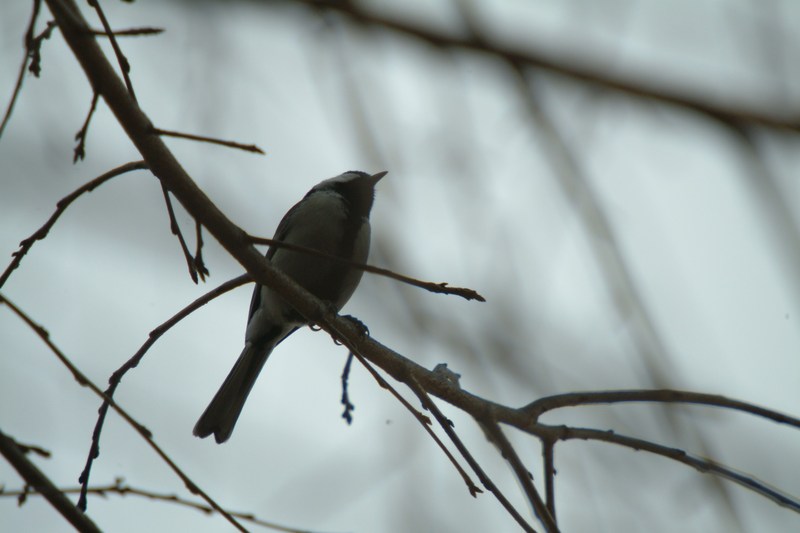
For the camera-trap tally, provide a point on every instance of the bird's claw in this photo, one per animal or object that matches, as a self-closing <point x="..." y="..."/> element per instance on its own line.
<point x="362" y="328"/>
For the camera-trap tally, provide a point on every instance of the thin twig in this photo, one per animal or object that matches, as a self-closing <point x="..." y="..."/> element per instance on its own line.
<point x="589" y="70"/>
<point x="400" y="368"/>
<point x="447" y="426"/>
<point x="38" y="480"/>
<point x="80" y="152"/>
<point x="32" y="448"/>
<point x="61" y="206"/>
<point x="347" y="414"/>
<point x="194" y="271"/>
<point x="230" y="144"/>
<point x="421" y="418"/>
<point x="35" y="50"/>
<point x="548" y="457"/>
<point x="140" y="429"/>
<point x="495" y="432"/>
<point x="37" y="4"/>
<point x="700" y="464"/>
<point x="426" y="422"/>
<point x="542" y="405"/>
<point x="129" y="32"/>
<point x="121" y="489"/>
<point x="233" y="239"/>
<point x="440" y="288"/>
<point x="197" y="260"/>
<point x="124" y="65"/>
<point x="133" y="362"/>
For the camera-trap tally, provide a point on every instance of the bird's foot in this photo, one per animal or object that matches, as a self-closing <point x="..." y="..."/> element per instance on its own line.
<point x="362" y="328"/>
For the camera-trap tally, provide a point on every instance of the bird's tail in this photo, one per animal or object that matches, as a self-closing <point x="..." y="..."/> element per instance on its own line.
<point x="222" y="413"/>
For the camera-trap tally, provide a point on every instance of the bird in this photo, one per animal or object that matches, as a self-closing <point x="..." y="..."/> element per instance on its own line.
<point x="332" y="218"/>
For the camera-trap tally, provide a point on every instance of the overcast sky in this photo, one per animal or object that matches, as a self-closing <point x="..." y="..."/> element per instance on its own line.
<point x="680" y="270"/>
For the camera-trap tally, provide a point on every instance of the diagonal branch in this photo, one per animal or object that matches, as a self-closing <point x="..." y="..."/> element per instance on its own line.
<point x="133" y="362"/>
<point x="80" y="149"/>
<point x="421" y="418"/>
<point x="31" y="52"/>
<point x="548" y="453"/>
<point x="439" y="288"/>
<point x="487" y="482"/>
<point x="61" y="206"/>
<point x="495" y="433"/>
<point x="124" y="65"/>
<point x="212" y="140"/>
<point x="164" y="165"/>
<point x="705" y="466"/>
<point x="36" y="479"/>
<point x="195" y="264"/>
<point x="542" y="405"/>
<point x="120" y="488"/>
<point x="145" y="433"/>
<point x="590" y="70"/>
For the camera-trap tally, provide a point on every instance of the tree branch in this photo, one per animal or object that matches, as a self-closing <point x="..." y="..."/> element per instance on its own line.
<point x="120" y="488"/>
<point x="430" y="286"/>
<point x="36" y="478"/>
<point x="145" y="433"/>
<point x="591" y="70"/>
<point x="163" y="164"/>
<point x="133" y="362"/>
<point x="61" y="206"/>
<point x="542" y="405"/>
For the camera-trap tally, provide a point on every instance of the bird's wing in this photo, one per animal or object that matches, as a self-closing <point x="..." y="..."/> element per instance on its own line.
<point x="280" y="235"/>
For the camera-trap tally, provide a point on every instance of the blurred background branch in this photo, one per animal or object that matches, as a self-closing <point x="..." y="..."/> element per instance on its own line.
<point x="618" y="178"/>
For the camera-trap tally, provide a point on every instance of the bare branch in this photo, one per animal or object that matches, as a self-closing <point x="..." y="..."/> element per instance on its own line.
<point x="230" y="144"/>
<point x="495" y="433"/>
<point x="440" y="288"/>
<point x="542" y="405"/>
<point x="80" y="152"/>
<point x="237" y="243"/>
<point x="36" y="479"/>
<point x="345" y="400"/>
<point x="31" y="51"/>
<point x="130" y="32"/>
<point x="120" y="488"/>
<point x="487" y="482"/>
<point x="705" y="466"/>
<point x="196" y="268"/>
<point x="548" y="452"/>
<point x="133" y="362"/>
<point x="32" y="448"/>
<point x="424" y="421"/>
<point x="143" y="431"/>
<point x="197" y="260"/>
<point x="61" y="206"/>
<point x="124" y="65"/>
<point x="589" y="71"/>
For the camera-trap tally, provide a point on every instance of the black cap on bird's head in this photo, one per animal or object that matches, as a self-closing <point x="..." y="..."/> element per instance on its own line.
<point x="355" y="187"/>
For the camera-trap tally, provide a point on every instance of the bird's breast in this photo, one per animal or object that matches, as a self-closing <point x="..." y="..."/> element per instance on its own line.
<point x="323" y="223"/>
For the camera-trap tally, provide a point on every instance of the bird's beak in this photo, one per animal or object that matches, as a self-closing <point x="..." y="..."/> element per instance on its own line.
<point x="375" y="178"/>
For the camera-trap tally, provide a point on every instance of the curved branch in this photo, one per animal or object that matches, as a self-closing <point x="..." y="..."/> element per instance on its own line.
<point x="120" y="488"/>
<point x="439" y="288"/>
<point x="542" y="405"/>
<point x="133" y="362"/>
<point x="163" y="164"/>
<point x="700" y="464"/>
<point x="61" y="206"/>
<point x="81" y="378"/>
<point x="35" y="478"/>
<point x="591" y="70"/>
